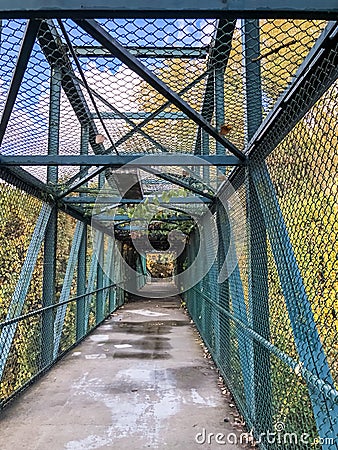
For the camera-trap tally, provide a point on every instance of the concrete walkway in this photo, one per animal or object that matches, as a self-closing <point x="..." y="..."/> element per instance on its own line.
<point x="139" y="381"/>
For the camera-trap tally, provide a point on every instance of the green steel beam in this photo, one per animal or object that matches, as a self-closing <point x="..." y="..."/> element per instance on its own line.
<point x="217" y="62"/>
<point x="107" y="280"/>
<point x="67" y="284"/>
<point x="81" y="285"/>
<point x="126" y="201"/>
<point x="92" y="51"/>
<point x="237" y="297"/>
<point x="318" y="72"/>
<point x="92" y="276"/>
<point x="22" y="286"/>
<point x="224" y="297"/>
<point x="119" y="160"/>
<point x="170" y="8"/>
<point x="104" y="38"/>
<point x="56" y="54"/>
<point x="312" y="358"/>
<point x="258" y="289"/>
<point x="54" y="121"/>
<point x="219" y="103"/>
<point x="135" y="115"/>
<point x="49" y="259"/>
<point x="99" y="316"/>
<point x="48" y="289"/>
<point x="27" y="44"/>
<point x="82" y="256"/>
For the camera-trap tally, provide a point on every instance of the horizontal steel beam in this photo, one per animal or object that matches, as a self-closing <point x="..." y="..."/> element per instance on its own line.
<point x="120" y="160"/>
<point x="127" y="201"/>
<point x="137" y="115"/>
<point x="169" y="8"/>
<point x="92" y="51"/>
<point x="119" y="218"/>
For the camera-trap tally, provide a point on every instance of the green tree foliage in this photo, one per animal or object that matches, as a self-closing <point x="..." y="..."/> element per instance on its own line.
<point x="18" y="215"/>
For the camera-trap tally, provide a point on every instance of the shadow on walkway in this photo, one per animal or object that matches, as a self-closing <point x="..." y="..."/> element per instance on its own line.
<point x="138" y="381"/>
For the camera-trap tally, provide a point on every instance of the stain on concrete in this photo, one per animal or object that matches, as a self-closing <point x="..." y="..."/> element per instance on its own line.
<point x="138" y="381"/>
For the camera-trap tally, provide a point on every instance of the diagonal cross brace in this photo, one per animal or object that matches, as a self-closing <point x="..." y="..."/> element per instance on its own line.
<point x="56" y="55"/>
<point x="236" y="291"/>
<point x="218" y="60"/>
<point x="21" y="65"/>
<point x="22" y="286"/>
<point x="311" y="353"/>
<point x="67" y="283"/>
<point x="92" y="277"/>
<point x="105" y="39"/>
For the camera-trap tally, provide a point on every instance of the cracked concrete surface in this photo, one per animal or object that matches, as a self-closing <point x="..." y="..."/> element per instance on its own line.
<point x="138" y="381"/>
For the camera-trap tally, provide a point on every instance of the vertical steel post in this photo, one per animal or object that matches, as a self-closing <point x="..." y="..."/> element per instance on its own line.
<point x="312" y="356"/>
<point x="111" y="274"/>
<point x="236" y="294"/>
<point x="92" y="276"/>
<point x="99" y="281"/>
<point x="252" y="69"/>
<point x="219" y="103"/>
<point x="54" y="121"/>
<point x="22" y="286"/>
<point x="223" y="288"/>
<point x="205" y="151"/>
<point x="49" y="261"/>
<point x="223" y="300"/>
<point x="48" y="289"/>
<point x="81" y="326"/>
<point x="259" y="317"/>
<point x="100" y="295"/>
<point x="81" y="286"/>
<point x="66" y="287"/>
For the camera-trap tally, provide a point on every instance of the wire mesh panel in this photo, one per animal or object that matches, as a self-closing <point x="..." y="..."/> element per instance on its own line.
<point x="260" y="95"/>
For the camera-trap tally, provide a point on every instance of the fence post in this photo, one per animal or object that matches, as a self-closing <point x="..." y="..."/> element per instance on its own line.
<point x="67" y="283"/>
<point x="259" y="316"/>
<point x="92" y="278"/>
<point x="236" y="294"/>
<point x="50" y="243"/>
<point x="81" y="327"/>
<point x="99" y="281"/>
<point x="81" y="285"/>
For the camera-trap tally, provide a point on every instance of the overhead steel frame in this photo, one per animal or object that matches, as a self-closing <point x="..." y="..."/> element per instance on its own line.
<point x="290" y="108"/>
<point x="171" y="9"/>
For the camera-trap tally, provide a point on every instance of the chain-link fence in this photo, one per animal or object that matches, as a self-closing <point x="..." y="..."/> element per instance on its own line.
<point x="271" y="326"/>
<point x="264" y="90"/>
<point x="33" y="333"/>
